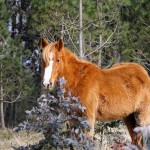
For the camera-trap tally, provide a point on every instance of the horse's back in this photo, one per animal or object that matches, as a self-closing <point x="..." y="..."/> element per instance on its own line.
<point x="132" y="70"/>
<point x="122" y="89"/>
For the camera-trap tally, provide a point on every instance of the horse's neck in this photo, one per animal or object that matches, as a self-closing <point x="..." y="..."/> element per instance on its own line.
<point x="71" y="70"/>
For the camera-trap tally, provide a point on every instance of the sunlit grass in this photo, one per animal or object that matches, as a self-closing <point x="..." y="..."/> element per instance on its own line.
<point x="103" y="140"/>
<point x="9" y="139"/>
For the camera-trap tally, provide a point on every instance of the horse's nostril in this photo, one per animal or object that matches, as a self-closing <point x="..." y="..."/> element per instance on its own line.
<point x="50" y="83"/>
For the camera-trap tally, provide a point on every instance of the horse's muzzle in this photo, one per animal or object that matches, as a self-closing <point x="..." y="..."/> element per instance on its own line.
<point x="47" y="86"/>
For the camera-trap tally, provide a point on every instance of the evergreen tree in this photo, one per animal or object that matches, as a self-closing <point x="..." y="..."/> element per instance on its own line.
<point x="105" y="36"/>
<point x="113" y="31"/>
<point x="136" y="15"/>
<point x="3" y="36"/>
<point x="17" y="82"/>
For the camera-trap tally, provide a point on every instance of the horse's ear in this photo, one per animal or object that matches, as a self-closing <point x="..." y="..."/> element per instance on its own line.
<point x="60" y="44"/>
<point x="44" y="42"/>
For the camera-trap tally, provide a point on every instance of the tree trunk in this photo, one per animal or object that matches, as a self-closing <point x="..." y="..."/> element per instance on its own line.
<point x="62" y="25"/>
<point x="1" y="99"/>
<point x="80" y="30"/>
<point x="62" y="28"/>
<point x="2" y="115"/>
<point x="100" y="51"/>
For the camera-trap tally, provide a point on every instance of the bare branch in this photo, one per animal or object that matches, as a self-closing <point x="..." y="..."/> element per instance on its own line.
<point x="71" y="40"/>
<point x="13" y="100"/>
<point x="2" y="56"/>
<point x="2" y="39"/>
<point x="102" y="44"/>
<point x="144" y="22"/>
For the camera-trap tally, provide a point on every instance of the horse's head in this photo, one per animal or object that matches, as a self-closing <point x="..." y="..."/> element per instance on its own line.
<point x="52" y="62"/>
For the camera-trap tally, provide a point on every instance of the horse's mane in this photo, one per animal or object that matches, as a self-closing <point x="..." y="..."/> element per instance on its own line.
<point x="74" y="57"/>
<point x="46" y="51"/>
<point x="70" y="54"/>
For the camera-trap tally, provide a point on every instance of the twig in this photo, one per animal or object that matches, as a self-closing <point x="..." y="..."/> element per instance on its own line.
<point x="102" y="44"/>
<point x="14" y="100"/>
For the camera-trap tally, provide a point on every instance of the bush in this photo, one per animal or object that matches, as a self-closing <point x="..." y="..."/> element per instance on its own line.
<point x="53" y="116"/>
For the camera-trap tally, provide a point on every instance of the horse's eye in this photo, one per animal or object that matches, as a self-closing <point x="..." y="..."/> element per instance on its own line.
<point x="58" y="60"/>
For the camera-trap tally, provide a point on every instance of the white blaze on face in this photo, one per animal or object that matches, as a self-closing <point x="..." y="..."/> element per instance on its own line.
<point x="48" y="71"/>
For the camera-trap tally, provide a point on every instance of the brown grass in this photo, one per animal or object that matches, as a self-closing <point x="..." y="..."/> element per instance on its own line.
<point x="111" y="138"/>
<point x="8" y="139"/>
<point x="104" y="139"/>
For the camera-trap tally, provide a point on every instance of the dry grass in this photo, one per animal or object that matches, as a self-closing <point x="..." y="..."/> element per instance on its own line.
<point x="112" y="138"/>
<point x="104" y="140"/>
<point x="8" y="139"/>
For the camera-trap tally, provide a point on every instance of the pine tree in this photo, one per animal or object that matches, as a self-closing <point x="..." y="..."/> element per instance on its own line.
<point x="136" y="14"/>
<point x="17" y="82"/>
<point x="3" y="36"/>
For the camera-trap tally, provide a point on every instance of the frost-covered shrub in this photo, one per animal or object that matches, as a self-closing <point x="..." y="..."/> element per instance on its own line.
<point x="53" y="116"/>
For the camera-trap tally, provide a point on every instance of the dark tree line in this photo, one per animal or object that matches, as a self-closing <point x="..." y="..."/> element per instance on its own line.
<point x="113" y="31"/>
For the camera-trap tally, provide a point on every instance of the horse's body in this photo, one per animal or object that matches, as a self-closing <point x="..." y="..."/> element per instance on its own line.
<point x="122" y="92"/>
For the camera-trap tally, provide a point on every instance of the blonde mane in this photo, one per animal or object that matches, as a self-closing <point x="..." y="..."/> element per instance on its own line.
<point x="46" y="51"/>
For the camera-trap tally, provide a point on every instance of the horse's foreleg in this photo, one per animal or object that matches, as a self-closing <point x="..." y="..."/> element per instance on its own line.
<point x="143" y="114"/>
<point x="91" y="104"/>
<point x="131" y="124"/>
<point x="143" y="120"/>
<point x="91" y="123"/>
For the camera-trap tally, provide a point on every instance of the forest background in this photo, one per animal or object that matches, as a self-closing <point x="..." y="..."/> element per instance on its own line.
<point x="112" y="31"/>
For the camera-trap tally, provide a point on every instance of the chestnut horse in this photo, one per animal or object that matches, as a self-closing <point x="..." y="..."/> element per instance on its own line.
<point x="122" y="92"/>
